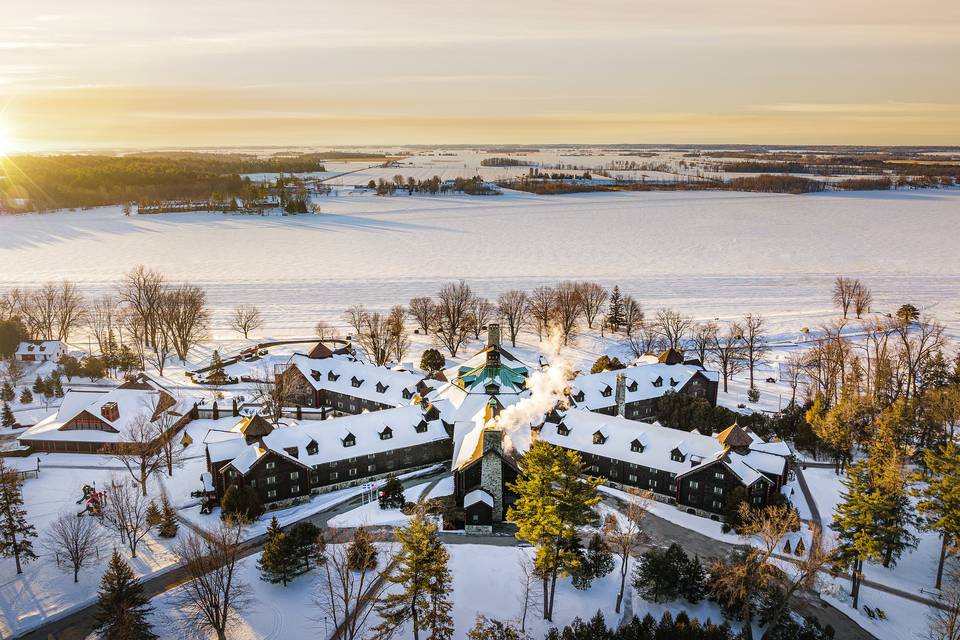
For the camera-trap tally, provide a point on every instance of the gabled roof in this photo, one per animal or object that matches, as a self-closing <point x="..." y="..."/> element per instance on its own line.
<point x="734" y="437"/>
<point x="345" y="369"/>
<point x="255" y="426"/>
<point x="595" y="390"/>
<point x="477" y="495"/>
<point x="40" y="347"/>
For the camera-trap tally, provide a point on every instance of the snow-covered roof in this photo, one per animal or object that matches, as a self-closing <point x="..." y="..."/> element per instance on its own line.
<point x="477" y="495"/>
<point x="775" y="447"/>
<point x="643" y="381"/>
<point x="44" y="347"/>
<point x="337" y="373"/>
<point x="127" y="406"/>
<point x="658" y="442"/>
<point x="368" y="431"/>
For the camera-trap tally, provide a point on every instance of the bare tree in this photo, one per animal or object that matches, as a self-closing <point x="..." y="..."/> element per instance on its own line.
<point x="843" y="289"/>
<point x="139" y="452"/>
<point x="399" y="336"/>
<point x="917" y="346"/>
<point x="529" y="583"/>
<point x="184" y="317"/>
<point x="862" y="298"/>
<point x="754" y="341"/>
<point x="568" y="305"/>
<point x="284" y="387"/>
<point x="346" y="591"/>
<point x="727" y="350"/>
<point x="673" y="326"/>
<point x="512" y="306"/>
<point x="163" y="425"/>
<point x="375" y="337"/>
<point x="622" y="533"/>
<point x="633" y="316"/>
<point x="701" y="335"/>
<point x="592" y="299"/>
<point x="213" y="590"/>
<point x="354" y="318"/>
<point x="40" y="310"/>
<point x="159" y="350"/>
<point x="102" y="320"/>
<point x="77" y="540"/>
<point x="794" y="367"/>
<point x="130" y="323"/>
<point x="453" y="307"/>
<point x="323" y="330"/>
<point x="481" y="313"/>
<point x="125" y="511"/>
<point x="423" y="311"/>
<point x="142" y="290"/>
<point x="540" y="309"/>
<point x="945" y="620"/>
<point x="644" y="339"/>
<point x="71" y="309"/>
<point x="246" y="318"/>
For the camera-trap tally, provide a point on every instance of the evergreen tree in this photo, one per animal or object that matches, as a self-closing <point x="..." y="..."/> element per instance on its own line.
<point x="615" y="309"/>
<point x="26" y="397"/>
<point x="15" y="531"/>
<point x="7" y="419"/>
<point x="553" y="500"/>
<point x="432" y="361"/>
<point x="217" y="375"/>
<point x="39" y="386"/>
<point x="153" y="514"/>
<point x="595" y="563"/>
<point x="424" y="583"/>
<point x="122" y="607"/>
<point x="361" y="554"/>
<point x="940" y="499"/>
<point x="308" y="544"/>
<point x="391" y="494"/>
<point x="168" y="518"/>
<point x="277" y="562"/>
<point x="7" y="392"/>
<point x="241" y="504"/>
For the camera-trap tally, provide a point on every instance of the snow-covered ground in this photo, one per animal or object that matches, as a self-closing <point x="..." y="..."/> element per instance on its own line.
<point x="370" y="514"/>
<point x="708" y="254"/>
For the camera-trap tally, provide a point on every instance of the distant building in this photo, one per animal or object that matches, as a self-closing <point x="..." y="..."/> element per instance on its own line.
<point x="40" y="350"/>
<point x="103" y="420"/>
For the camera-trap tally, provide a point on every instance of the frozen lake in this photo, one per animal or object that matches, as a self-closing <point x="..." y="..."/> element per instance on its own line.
<point x="709" y="254"/>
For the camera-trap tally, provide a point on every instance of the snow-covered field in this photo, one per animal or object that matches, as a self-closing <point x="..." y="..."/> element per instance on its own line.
<point x="709" y="254"/>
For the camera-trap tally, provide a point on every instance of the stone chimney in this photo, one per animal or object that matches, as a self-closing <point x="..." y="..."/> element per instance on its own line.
<point x="491" y="470"/>
<point x="621" y="395"/>
<point x="493" y="334"/>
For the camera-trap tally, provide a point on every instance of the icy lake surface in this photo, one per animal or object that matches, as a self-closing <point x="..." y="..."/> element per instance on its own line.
<point x="708" y="254"/>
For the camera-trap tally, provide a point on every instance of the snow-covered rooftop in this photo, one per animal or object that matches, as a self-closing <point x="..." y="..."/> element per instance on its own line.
<point x="643" y="381"/>
<point x="347" y="375"/>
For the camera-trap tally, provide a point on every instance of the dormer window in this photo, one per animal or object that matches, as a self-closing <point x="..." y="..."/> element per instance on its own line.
<point x="356" y="382"/>
<point x="406" y="394"/>
<point x="312" y="448"/>
<point x="382" y="387"/>
<point x="386" y="434"/>
<point x="658" y="382"/>
<point x="673" y="382"/>
<point x="636" y="446"/>
<point x="349" y="440"/>
<point x="291" y="451"/>
<point x="677" y="456"/>
<point x="332" y="377"/>
<point x="633" y="386"/>
<point x="562" y="430"/>
<point x="421" y="427"/>
<point x="606" y="391"/>
<point x="315" y="375"/>
<point x="579" y="396"/>
<point x="599" y="438"/>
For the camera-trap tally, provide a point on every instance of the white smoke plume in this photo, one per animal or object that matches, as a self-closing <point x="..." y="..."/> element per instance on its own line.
<point x="547" y="387"/>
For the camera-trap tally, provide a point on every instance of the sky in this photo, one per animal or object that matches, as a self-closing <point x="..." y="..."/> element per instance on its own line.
<point x="86" y="74"/>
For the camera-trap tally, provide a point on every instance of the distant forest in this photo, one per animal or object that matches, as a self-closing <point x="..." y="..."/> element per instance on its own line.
<point x="73" y="181"/>
<point x="504" y="162"/>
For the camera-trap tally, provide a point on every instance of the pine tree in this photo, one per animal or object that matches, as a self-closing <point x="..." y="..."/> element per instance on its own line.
<point x="423" y="581"/>
<point x="153" y="514"/>
<point x="122" y="607"/>
<point x="168" y="518"/>
<point x="39" y="386"/>
<point x="615" y="309"/>
<point x="26" y="397"/>
<point x="7" y="420"/>
<point x="15" y="531"/>
<point x="361" y="554"/>
<point x="278" y="561"/>
<point x="553" y="500"/>
<point x="940" y="498"/>
<point x="307" y="544"/>
<point x="7" y="392"/>
<point x="391" y="494"/>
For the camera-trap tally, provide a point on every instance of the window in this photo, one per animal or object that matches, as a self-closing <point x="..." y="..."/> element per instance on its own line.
<point x="294" y="475"/>
<point x="352" y="460"/>
<point x="356" y="382"/>
<point x="253" y="482"/>
<point x="658" y="382"/>
<point x="271" y="494"/>
<point x="333" y="476"/>
<point x="717" y="504"/>
<point x="718" y="491"/>
<point x="636" y="446"/>
<point x="271" y="479"/>
<point x="475" y="518"/>
<point x="606" y="392"/>
<point x="693" y="484"/>
<point x="312" y="448"/>
<point x="406" y="394"/>
<point x="653" y="484"/>
<point x="295" y="489"/>
<point x="386" y="434"/>
<point x="421" y="427"/>
<point x="332" y="377"/>
<point x="677" y="456"/>
<point x="371" y="468"/>
<point x="349" y="441"/>
<point x="613" y="473"/>
<point x="594" y="469"/>
<point x="632" y="478"/>
<point x="757" y="499"/>
<point x="271" y="465"/>
<point x="599" y="438"/>
<point x="718" y="475"/>
<point x="562" y="430"/>
<point x="353" y="472"/>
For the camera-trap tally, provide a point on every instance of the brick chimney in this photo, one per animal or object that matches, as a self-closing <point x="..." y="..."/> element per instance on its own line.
<point x="621" y="395"/>
<point x="110" y="411"/>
